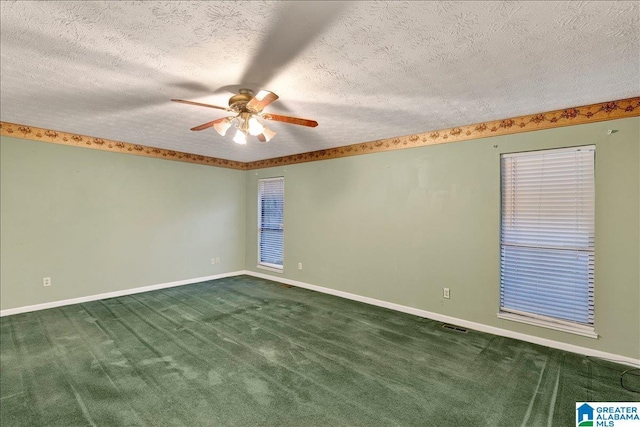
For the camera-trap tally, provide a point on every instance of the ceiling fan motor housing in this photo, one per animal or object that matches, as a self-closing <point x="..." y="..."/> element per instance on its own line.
<point x="238" y="102"/>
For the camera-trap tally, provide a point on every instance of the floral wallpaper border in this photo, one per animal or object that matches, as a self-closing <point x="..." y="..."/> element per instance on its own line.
<point x="610" y="110"/>
<point x="604" y="111"/>
<point x="64" y="138"/>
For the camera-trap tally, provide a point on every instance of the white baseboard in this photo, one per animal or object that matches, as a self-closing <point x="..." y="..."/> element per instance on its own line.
<point x="455" y="321"/>
<point x="114" y="294"/>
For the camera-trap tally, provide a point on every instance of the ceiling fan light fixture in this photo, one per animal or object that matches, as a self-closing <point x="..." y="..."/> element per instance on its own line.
<point x="255" y="127"/>
<point x="223" y="126"/>
<point x="240" y="137"/>
<point x="243" y="122"/>
<point x="268" y="134"/>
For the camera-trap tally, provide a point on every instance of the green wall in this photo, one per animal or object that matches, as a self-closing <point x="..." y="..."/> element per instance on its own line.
<point x="399" y="226"/>
<point x="396" y="226"/>
<point x="98" y="222"/>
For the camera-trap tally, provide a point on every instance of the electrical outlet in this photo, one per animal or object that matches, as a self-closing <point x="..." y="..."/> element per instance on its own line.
<point x="46" y="281"/>
<point x="445" y="293"/>
<point x="217" y="260"/>
<point x="213" y="260"/>
<point x="299" y="266"/>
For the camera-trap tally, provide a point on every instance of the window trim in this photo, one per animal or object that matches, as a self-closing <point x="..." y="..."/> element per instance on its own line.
<point x="266" y="265"/>
<point x="270" y="267"/>
<point x="532" y="318"/>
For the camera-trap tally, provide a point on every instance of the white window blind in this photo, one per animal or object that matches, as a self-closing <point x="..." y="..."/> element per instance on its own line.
<point x="271" y="222"/>
<point x="547" y="235"/>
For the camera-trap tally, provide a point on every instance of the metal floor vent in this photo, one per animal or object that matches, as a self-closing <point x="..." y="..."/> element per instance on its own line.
<point x="454" y="328"/>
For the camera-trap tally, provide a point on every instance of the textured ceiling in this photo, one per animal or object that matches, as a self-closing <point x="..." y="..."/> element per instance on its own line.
<point x="363" y="70"/>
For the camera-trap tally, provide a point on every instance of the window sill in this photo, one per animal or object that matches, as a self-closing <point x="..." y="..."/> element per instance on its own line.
<point x="270" y="268"/>
<point x="577" y="330"/>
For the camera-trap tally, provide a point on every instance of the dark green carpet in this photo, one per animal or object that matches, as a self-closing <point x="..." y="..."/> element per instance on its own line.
<point x="249" y="352"/>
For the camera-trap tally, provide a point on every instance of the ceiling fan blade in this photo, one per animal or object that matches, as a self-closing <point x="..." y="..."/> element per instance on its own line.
<point x="291" y="120"/>
<point x="261" y="100"/>
<point x="296" y="26"/>
<point x="209" y="124"/>
<point x="192" y="86"/>
<point x="199" y="104"/>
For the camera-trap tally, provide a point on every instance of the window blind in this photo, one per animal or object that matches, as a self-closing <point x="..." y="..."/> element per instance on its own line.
<point x="547" y="235"/>
<point x="271" y="222"/>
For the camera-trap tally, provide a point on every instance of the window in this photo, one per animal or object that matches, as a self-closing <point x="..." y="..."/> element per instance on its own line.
<point x="547" y="238"/>
<point x="271" y="223"/>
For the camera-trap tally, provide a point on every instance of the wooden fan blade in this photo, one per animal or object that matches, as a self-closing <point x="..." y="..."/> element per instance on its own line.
<point x="291" y="120"/>
<point x="261" y="100"/>
<point x="209" y="124"/>
<point x="199" y="104"/>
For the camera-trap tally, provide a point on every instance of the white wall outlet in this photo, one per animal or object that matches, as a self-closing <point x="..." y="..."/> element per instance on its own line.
<point x="217" y="260"/>
<point x="445" y="293"/>
<point x="213" y="260"/>
<point x="299" y="266"/>
<point x="46" y="281"/>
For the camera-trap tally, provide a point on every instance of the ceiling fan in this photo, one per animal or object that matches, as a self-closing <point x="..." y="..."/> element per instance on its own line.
<point x="248" y="109"/>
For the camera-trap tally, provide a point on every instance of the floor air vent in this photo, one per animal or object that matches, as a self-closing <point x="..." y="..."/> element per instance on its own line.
<point x="454" y="328"/>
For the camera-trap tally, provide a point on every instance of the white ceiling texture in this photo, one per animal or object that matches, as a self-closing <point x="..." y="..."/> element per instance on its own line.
<point x="363" y="70"/>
